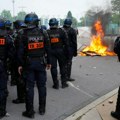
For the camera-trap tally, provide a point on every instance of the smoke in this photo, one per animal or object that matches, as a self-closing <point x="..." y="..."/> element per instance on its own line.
<point x="104" y="17"/>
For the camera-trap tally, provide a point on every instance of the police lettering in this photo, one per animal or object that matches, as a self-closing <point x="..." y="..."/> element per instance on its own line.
<point x="54" y="40"/>
<point x="2" y="41"/>
<point x="54" y="35"/>
<point x="35" y="45"/>
<point x="35" y="38"/>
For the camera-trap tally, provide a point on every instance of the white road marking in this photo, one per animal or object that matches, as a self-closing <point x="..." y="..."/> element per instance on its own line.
<point x="72" y="85"/>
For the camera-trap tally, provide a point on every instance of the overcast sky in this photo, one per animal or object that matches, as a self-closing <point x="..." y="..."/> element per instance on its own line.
<point x="52" y="8"/>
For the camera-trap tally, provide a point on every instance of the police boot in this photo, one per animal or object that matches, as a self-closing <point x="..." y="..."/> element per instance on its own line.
<point x="64" y="85"/>
<point x="20" y="92"/>
<point x="116" y="113"/>
<point x="29" y="114"/>
<point x="3" y="105"/>
<point x="55" y="84"/>
<point x="3" y="108"/>
<point x="2" y="111"/>
<point x="42" y="106"/>
<point x="29" y="111"/>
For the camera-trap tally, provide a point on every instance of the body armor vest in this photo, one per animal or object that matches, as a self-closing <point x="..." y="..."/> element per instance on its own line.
<point x="68" y="31"/>
<point x="55" y="38"/>
<point x="35" y="43"/>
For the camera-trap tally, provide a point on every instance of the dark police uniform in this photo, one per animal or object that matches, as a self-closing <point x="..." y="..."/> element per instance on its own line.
<point x="18" y="25"/>
<point x="6" y="51"/>
<point x="72" y="37"/>
<point x="59" y="45"/>
<point x="10" y="64"/>
<point x="33" y="46"/>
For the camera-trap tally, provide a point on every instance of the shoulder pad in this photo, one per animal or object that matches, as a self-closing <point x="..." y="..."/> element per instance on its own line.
<point x="62" y="29"/>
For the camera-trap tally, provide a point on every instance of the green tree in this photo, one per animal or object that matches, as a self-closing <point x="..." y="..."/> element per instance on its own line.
<point x="115" y="6"/>
<point x="115" y="18"/>
<point x="82" y="21"/>
<point x="94" y="14"/>
<point x="74" y="20"/>
<point x="116" y="10"/>
<point x="6" y="14"/>
<point x="21" y="15"/>
<point x="61" y="22"/>
<point x="69" y="15"/>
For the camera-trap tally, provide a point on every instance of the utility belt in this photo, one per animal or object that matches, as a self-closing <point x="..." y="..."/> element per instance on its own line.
<point x="35" y="58"/>
<point x="42" y="59"/>
<point x="57" y="47"/>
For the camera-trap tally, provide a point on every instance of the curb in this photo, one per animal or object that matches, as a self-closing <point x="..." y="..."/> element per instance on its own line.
<point x="82" y="111"/>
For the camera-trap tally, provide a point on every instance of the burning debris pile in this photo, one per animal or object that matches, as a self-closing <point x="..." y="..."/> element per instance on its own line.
<point x="97" y="48"/>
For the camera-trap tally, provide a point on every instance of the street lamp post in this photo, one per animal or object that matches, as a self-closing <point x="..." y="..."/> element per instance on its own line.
<point x="13" y="8"/>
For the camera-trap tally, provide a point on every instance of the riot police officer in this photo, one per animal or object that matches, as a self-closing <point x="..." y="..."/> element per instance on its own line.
<point x="116" y="113"/>
<point x="8" y="25"/>
<point x="18" y="26"/>
<point x="59" y="44"/>
<point x="33" y="46"/>
<point x="72" y="37"/>
<point x="6" y="51"/>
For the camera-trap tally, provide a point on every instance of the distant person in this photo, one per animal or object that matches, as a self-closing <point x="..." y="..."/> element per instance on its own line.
<point x="72" y="37"/>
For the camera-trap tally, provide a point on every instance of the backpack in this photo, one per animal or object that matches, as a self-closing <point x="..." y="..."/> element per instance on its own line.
<point x="117" y="45"/>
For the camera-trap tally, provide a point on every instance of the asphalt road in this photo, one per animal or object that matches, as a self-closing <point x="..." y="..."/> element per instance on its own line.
<point x="95" y="76"/>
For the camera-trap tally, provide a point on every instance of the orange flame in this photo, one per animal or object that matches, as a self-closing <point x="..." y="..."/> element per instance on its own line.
<point x="96" y="44"/>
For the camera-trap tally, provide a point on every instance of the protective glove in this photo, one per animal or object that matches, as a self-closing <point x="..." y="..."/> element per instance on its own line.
<point x="75" y="54"/>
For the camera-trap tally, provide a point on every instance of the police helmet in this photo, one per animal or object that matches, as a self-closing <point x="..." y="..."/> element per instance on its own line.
<point x="31" y="19"/>
<point x="2" y="23"/>
<point x="8" y="23"/>
<point x="19" y="24"/>
<point x="43" y="27"/>
<point x="53" y="22"/>
<point x="68" y="22"/>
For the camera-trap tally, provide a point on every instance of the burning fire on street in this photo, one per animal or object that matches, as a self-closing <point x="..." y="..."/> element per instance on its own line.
<point x="97" y="48"/>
